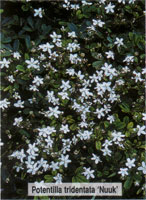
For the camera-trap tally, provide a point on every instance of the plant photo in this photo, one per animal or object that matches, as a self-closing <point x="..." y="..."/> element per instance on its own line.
<point x="72" y="95"/>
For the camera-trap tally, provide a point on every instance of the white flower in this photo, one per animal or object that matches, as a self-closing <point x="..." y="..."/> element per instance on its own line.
<point x="32" y="169"/>
<point x="117" y="136"/>
<point x="129" y="59"/>
<point x="106" y="151"/>
<point x="17" y="121"/>
<point x="11" y="78"/>
<point x="38" y="12"/>
<point x="88" y="173"/>
<point x="70" y="71"/>
<point x="109" y="8"/>
<point x="18" y="168"/>
<point x="119" y="42"/>
<point x="33" y="64"/>
<point x="121" y="1"/>
<point x="33" y="88"/>
<point x="54" y="112"/>
<point x="84" y="135"/>
<point x="123" y="171"/>
<point x="137" y="76"/>
<point x="65" y="85"/>
<point x="102" y="1"/>
<point x="140" y="130"/>
<point x="84" y="3"/>
<point x="19" y="104"/>
<point x="107" y="143"/>
<point x="142" y="168"/>
<point x="16" y="55"/>
<point x="83" y="124"/>
<point x="64" y="128"/>
<point x="49" y="142"/>
<point x="4" y="63"/>
<point x="64" y="160"/>
<point x="72" y="34"/>
<point x="1" y="143"/>
<point x="111" y="118"/>
<point x="136" y="183"/>
<point x="98" y="22"/>
<point x="144" y="71"/>
<point x="130" y="163"/>
<point x="144" y="116"/>
<point x="32" y="149"/>
<point x="64" y="95"/>
<point x="41" y="162"/>
<point x="58" y="178"/>
<point x="16" y="95"/>
<point x="96" y="158"/>
<point x="19" y="155"/>
<point x="110" y="54"/>
<point x="55" y="37"/>
<point x="91" y="28"/>
<point x="131" y="1"/>
<point x="74" y="6"/>
<point x="45" y="132"/>
<point x="46" y="47"/>
<point x="74" y="58"/>
<point x="4" y="103"/>
<point x="74" y="140"/>
<point x="38" y="81"/>
<point x="100" y="113"/>
<point x="85" y="93"/>
<point x="73" y="47"/>
<point x="120" y="82"/>
<point x="80" y="75"/>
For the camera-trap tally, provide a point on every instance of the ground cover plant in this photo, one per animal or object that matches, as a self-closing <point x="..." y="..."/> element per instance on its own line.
<point x="72" y="85"/>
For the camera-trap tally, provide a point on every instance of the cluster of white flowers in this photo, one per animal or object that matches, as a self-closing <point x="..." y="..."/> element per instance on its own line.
<point x="91" y="94"/>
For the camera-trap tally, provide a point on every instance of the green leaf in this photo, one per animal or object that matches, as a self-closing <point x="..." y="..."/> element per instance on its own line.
<point x="79" y="14"/>
<point x="16" y="45"/>
<point x="26" y="111"/>
<point x="98" y="145"/>
<point x="106" y="124"/>
<point x="26" y="55"/>
<point x="79" y="170"/>
<point x="73" y="27"/>
<point x="73" y="127"/>
<point x="130" y="35"/>
<point x="120" y="125"/>
<point x="99" y="174"/>
<point x="7" y="88"/>
<point x="79" y="179"/>
<point x="16" y="86"/>
<point x="97" y="64"/>
<point x="127" y="134"/>
<point x="30" y="22"/>
<point x="125" y="107"/>
<point x="27" y="41"/>
<point x="46" y="29"/>
<point x="112" y="175"/>
<point x="6" y="40"/>
<point x="20" y="68"/>
<point x="23" y="132"/>
<point x="126" y="120"/>
<point x="1" y="11"/>
<point x="48" y="178"/>
<point x="128" y="183"/>
<point x="25" y="8"/>
<point x="74" y="179"/>
<point x="130" y="125"/>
